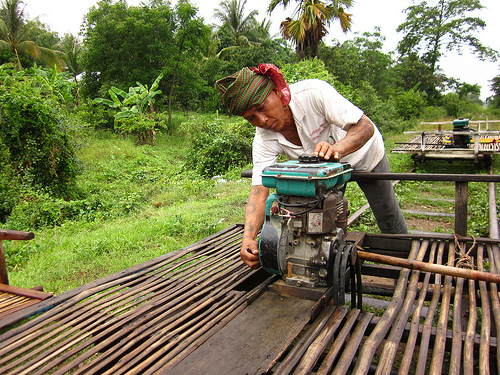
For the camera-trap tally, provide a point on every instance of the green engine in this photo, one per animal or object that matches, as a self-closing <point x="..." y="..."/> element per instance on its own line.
<point x="303" y="236"/>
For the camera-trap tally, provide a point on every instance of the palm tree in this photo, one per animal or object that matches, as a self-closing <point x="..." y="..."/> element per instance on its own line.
<point x="70" y="49"/>
<point x="232" y="15"/>
<point x="314" y="17"/>
<point x="14" y="36"/>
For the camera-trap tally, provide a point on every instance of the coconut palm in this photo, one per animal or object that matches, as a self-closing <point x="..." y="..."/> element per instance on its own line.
<point x="15" y="36"/>
<point x="70" y="49"/>
<point x="314" y="16"/>
<point x="232" y="15"/>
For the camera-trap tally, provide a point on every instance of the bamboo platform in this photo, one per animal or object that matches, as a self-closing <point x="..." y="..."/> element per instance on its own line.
<point x="433" y="145"/>
<point x="200" y="310"/>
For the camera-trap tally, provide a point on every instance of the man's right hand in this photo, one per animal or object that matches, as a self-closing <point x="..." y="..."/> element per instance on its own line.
<point x="250" y="253"/>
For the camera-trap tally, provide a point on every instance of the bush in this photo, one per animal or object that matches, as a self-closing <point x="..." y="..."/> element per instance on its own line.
<point x="96" y="115"/>
<point x="216" y="146"/>
<point x="410" y="104"/>
<point x="307" y="69"/>
<point x="34" y="131"/>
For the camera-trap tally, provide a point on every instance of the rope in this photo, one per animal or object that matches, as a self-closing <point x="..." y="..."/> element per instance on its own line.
<point x="464" y="259"/>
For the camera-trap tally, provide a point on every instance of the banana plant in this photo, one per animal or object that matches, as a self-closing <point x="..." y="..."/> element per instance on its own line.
<point x="137" y="102"/>
<point x="136" y="109"/>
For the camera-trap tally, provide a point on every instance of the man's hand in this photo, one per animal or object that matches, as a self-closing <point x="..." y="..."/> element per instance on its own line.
<point x="250" y="253"/>
<point x="327" y="151"/>
<point x="357" y="136"/>
<point x="255" y="213"/>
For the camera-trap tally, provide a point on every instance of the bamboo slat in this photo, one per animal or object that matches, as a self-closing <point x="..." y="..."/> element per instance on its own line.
<point x="156" y="317"/>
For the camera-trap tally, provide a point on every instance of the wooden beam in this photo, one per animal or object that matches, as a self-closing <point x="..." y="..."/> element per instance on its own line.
<point x="461" y="197"/>
<point x="4" y="277"/>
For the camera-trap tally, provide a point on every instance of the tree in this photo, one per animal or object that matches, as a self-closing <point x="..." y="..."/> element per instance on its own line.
<point x="360" y="60"/>
<point x="190" y="40"/>
<point x="123" y="45"/>
<point x="495" y="87"/>
<point x="70" y="49"/>
<point x="15" y="36"/>
<point x="310" y="27"/>
<point x="232" y="15"/>
<point x="429" y="30"/>
<point x="410" y="73"/>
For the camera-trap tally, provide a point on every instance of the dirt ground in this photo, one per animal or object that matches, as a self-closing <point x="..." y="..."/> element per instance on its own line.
<point x="427" y="225"/>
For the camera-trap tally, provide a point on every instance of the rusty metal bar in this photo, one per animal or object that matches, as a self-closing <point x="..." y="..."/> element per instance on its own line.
<point x="427" y="267"/>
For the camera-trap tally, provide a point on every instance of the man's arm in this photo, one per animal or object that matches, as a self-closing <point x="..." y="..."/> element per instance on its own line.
<point x="356" y="137"/>
<point x="254" y="218"/>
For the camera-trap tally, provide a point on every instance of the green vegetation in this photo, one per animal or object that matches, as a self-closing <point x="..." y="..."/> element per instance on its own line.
<point x="100" y="200"/>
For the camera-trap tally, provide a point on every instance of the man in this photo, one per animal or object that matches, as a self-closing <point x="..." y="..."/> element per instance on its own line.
<point x="307" y="117"/>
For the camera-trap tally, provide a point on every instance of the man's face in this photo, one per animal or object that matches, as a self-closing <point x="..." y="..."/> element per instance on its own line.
<point x="269" y="114"/>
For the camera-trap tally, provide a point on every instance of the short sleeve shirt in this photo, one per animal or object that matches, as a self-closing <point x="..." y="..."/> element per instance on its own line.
<point x="320" y="114"/>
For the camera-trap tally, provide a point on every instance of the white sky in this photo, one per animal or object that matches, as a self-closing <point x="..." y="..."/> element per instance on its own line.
<point x="66" y="16"/>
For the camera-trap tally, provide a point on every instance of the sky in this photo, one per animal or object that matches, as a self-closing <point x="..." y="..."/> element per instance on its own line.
<point x="66" y="16"/>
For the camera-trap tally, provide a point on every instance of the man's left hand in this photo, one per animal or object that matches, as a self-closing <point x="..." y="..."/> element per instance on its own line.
<point x="327" y="151"/>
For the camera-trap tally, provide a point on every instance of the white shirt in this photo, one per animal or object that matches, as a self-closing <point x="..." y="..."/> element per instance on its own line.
<point x="319" y="112"/>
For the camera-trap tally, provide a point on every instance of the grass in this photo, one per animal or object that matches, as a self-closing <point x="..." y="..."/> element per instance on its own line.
<point x="146" y="203"/>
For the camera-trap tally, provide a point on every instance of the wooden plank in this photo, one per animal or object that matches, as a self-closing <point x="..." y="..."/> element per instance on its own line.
<point x="80" y="293"/>
<point x="352" y="345"/>
<point x="378" y="334"/>
<point x="261" y="333"/>
<point x="338" y="344"/>
<point x="300" y="348"/>
<point x="428" y="213"/>
<point x="495" y="300"/>
<point x="392" y="342"/>
<point x="6" y="234"/>
<point x="315" y="350"/>
<point x="461" y="197"/>
<point x="4" y="276"/>
<point x="30" y="293"/>
<point x="406" y="361"/>
<point x="442" y="325"/>
<point x="429" y="319"/>
<point x="484" y="352"/>
<point x="20" y="307"/>
<point x="471" y="331"/>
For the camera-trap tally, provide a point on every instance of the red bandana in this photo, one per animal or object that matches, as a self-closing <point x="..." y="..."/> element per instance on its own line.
<point x="277" y="77"/>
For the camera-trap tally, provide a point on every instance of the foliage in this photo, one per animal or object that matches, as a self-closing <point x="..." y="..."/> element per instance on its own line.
<point x="446" y="25"/>
<point x="239" y="27"/>
<point x="361" y="60"/>
<point x="16" y="33"/>
<point x="124" y="45"/>
<point x="47" y="83"/>
<point x="307" y="69"/>
<point x="313" y="18"/>
<point x="136" y="110"/>
<point x="216" y="146"/>
<point x="71" y="49"/>
<point x="410" y="104"/>
<point x="495" y="87"/>
<point x="191" y="39"/>
<point x="34" y="130"/>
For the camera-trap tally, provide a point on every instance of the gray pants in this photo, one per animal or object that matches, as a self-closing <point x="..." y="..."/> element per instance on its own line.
<point x="383" y="202"/>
